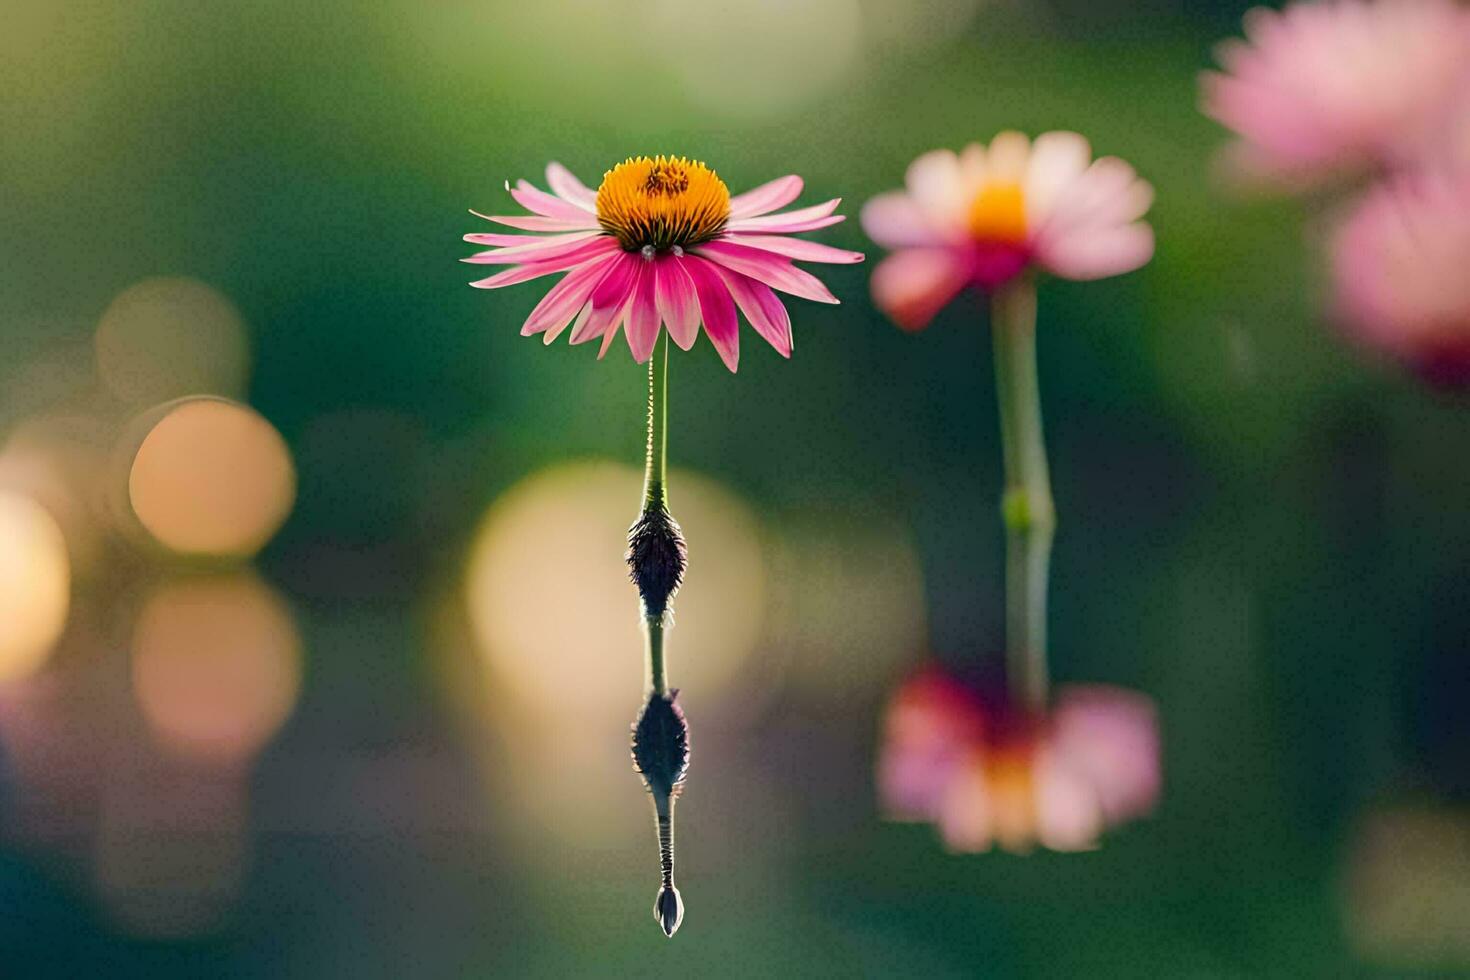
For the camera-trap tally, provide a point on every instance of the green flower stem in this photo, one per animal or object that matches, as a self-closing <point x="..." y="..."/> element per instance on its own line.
<point x="655" y="495"/>
<point x="655" y="475"/>
<point x="1026" y="506"/>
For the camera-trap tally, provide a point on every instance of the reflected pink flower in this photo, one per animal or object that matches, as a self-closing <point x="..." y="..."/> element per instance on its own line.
<point x="984" y="216"/>
<point x="1401" y="270"/>
<point x="661" y="243"/>
<point x="987" y="773"/>
<point x="1325" y="87"/>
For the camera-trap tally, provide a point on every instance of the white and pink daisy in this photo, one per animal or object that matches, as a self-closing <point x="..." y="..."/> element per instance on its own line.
<point x="1323" y="88"/>
<point x="1401" y="273"/>
<point x="986" y="215"/>
<point x="661" y="243"/>
<point x="988" y="773"/>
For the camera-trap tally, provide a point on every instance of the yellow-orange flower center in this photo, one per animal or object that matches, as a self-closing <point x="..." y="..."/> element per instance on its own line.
<point x="998" y="214"/>
<point x="662" y="203"/>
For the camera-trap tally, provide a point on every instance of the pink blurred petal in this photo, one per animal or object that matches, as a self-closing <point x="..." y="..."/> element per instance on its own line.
<point x="1058" y="159"/>
<point x="761" y="308"/>
<point x="678" y="305"/>
<point x="913" y="285"/>
<point x="716" y="308"/>
<point x="938" y="188"/>
<point x="1109" y="737"/>
<point x="894" y="220"/>
<point x="912" y="781"/>
<point x="643" y="317"/>
<point x="767" y="197"/>
<point x="1096" y="254"/>
<point x="566" y="186"/>
<point x="966" y="812"/>
<point x="797" y="248"/>
<point x="1069" y="816"/>
<point x="773" y="270"/>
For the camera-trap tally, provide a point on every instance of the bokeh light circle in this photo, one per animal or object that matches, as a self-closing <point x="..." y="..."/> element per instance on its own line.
<point x="35" y="585"/>
<point x="554" y="613"/>
<point x="211" y="477"/>
<point x="216" y="665"/>
<point x="167" y="337"/>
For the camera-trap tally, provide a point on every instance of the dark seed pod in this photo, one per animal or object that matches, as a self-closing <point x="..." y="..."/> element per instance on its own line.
<point x="657" y="558"/>
<point x="661" y="745"/>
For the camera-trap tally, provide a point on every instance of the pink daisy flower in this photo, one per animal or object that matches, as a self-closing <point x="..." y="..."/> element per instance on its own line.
<point x="988" y="773"/>
<point x="1399" y="267"/>
<point x="661" y="243"/>
<point x="1325" y="87"/>
<point x="984" y="216"/>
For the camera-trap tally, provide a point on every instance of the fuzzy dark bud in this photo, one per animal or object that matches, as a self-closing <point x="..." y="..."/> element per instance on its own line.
<point x="657" y="557"/>
<point x="661" y="745"/>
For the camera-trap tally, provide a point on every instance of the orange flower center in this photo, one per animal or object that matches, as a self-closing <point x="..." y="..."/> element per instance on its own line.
<point x="662" y="203"/>
<point x="998" y="214"/>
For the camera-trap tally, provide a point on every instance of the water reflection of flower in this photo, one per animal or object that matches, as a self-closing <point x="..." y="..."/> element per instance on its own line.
<point x="989" y="773"/>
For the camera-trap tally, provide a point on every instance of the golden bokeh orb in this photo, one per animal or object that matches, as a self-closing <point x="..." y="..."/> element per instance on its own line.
<point x="216" y="665"/>
<point x="35" y="585"/>
<point x="212" y="477"/>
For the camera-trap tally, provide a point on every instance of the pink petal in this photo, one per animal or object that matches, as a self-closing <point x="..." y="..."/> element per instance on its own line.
<point x="967" y="810"/>
<point x="936" y="184"/>
<point x="576" y="248"/>
<point x="773" y="270"/>
<point x="678" y="304"/>
<point x="802" y="219"/>
<point x="643" y="314"/>
<point x="564" y="299"/>
<point x="551" y="335"/>
<point x="1091" y="253"/>
<point x="520" y="241"/>
<point x="761" y="308"/>
<point x="895" y="220"/>
<point x="717" y="309"/>
<point x="610" y="297"/>
<point x="1069" y="816"/>
<point x="569" y="188"/>
<point x="612" y="331"/>
<point x="913" y="285"/>
<point x="1109" y="736"/>
<point x="797" y="248"/>
<point x="537" y="222"/>
<point x="546" y="204"/>
<point x="767" y="197"/>
<point x="521" y="273"/>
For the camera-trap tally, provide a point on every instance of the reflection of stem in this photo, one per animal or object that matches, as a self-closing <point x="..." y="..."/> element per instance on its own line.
<point x="664" y="811"/>
<point x="1026" y="507"/>
<point x="656" y="497"/>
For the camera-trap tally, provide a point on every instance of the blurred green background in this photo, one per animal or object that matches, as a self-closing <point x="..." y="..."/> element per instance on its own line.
<point x="1262" y="529"/>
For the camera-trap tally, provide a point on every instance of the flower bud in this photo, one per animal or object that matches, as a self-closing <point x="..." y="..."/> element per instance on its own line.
<point x="661" y="746"/>
<point x="668" y="909"/>
<point x="657" y="557"/>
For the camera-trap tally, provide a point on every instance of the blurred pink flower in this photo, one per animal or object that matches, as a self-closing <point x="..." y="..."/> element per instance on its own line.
<point x="661" y="242"/>
<point x="983" y="216"/>
<point x="987" y="773"/>
<point x="1401" y="271"/>
<point x="1321" y="88"/>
